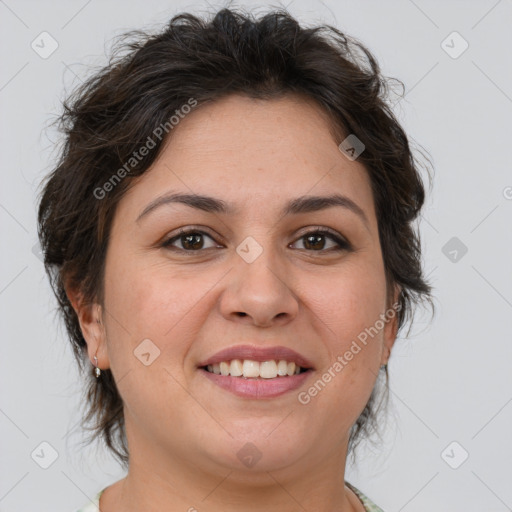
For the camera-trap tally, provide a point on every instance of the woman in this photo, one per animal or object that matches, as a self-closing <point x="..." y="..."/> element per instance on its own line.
<point x="229" y="235"/>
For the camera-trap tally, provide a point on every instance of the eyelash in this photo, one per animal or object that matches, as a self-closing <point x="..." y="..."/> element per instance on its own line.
<point x="343" y="245"/>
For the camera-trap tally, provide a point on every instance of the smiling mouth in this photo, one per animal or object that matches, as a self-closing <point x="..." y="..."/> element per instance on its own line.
<point x="250" y="369"/>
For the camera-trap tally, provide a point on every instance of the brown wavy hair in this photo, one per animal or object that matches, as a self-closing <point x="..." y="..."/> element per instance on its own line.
<point x="110" y="116"/>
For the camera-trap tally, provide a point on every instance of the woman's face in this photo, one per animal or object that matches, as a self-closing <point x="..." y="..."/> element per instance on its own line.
<point x="253" y="275"/>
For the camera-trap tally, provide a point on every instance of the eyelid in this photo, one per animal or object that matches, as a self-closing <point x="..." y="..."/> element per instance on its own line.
<point x="342" y="241"/>
<point x="325" y="229"/>
<point x="185" y="231"/>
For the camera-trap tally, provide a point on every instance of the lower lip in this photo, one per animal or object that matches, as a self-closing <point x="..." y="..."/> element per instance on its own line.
<point x="258" y="388"/>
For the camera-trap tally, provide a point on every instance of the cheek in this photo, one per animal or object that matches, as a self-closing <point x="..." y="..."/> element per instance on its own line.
<point x="149" y="332"/>
<point x="349" y="302"/>
<point x="348" y="306"/>
<point x="152" y="301"/>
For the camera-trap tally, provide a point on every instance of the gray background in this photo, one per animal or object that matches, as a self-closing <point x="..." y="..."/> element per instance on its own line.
<point x="451" y="381"/>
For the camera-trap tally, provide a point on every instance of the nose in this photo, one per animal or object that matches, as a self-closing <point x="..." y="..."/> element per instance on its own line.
<point x="259" y="294"/>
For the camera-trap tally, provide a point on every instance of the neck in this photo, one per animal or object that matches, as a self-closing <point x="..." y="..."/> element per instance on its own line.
<point x="158" y="480"/>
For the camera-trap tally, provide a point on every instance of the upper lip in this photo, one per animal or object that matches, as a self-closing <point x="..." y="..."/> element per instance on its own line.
<point x="260" y="354"/>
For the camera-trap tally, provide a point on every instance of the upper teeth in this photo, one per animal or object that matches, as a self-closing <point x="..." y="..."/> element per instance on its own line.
<point x="249" y="368"/>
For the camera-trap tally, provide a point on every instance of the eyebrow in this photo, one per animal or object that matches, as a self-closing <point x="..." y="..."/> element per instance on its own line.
<point x="303" y="204"/>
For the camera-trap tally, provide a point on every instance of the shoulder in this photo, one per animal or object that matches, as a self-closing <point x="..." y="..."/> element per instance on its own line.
<point x="92" y="505"/>
<point x="369" y="505"/>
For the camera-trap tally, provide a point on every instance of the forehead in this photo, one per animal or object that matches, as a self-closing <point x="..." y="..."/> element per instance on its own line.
<point x="249" y="151"/>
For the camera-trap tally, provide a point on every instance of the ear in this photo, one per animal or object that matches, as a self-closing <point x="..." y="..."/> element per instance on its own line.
<point x="391" y="324"/>
<point x="90" y="317"/>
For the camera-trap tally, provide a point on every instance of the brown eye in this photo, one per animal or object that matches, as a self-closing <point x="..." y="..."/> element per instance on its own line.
<point x="189" y="240"/>
<point x="316" y="241"/>
<point x="193" y="241"/>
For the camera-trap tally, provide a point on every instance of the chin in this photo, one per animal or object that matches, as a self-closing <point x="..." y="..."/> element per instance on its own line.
<point x="254" y="449"/>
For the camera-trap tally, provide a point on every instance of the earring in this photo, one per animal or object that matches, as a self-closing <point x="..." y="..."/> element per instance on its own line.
<point x="384" y="366"/>
<point x="97" y="371"/>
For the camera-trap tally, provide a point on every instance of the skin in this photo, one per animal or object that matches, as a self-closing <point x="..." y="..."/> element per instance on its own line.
<point x="183" y="431"/>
